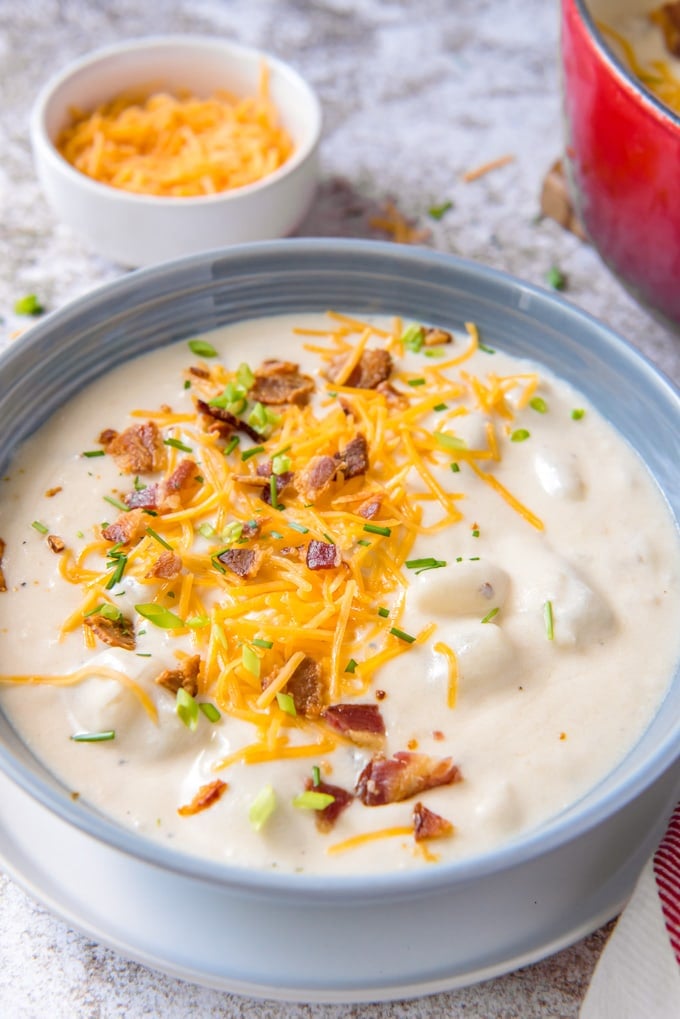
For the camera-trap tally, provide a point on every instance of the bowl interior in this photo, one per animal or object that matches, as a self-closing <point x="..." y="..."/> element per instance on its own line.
<point x="154" y="307"/>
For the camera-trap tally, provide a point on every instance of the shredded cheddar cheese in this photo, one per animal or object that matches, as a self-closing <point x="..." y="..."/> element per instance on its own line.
<point x="178" y="146"/>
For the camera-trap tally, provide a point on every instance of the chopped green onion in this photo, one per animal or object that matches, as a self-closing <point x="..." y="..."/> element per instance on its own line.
<point x="440" y="210"/>
<point x="143" y="654"/>
<point x="202" y="348"/>
<point x="28" y="305"/>
<point x="93" y="452"/>
<point x="160" y="616"/>
<point x="250" y="661"/>
<point x="197" y="622"/>
<point x="40" y="527"/>
<point x="473" y="559"/>
<point x="383" y="612"/>
<point x="275" y="534"/>
<point x="300" y="528"/>
<point x="244" y="376"/>
<point x="178" y="444"/>
<point x="577" y="413"/>
<point x="539" y="404"/>
<point x="286" y="702"/>
<point x="487" y="350"/>
<point x="187" y="383"/>
<point x="284" y="449"/>
<point x="329" y="538"/>
<point x="351" y="666"/>
<point x="413" y="338"/>
<point x="377" y="529"/>
<point x="94" y="737"/>
<point x="161" y="541"/>
<point x="475" y="532"/>
<point x="520" y="435"/>
<point x="262" y="807"/>
<point x="206" y="530"/>
<point x="490" y="615"/>
<point x="449" y="441"/>
<point x="417" y="382"/>
<point x="253" y="451"/>
<point x="138" y="485"/>
<point x="556" y="278"/>
<point x="401" y="635"/>
<point x="439" y="406"/>
<point x="280" y="464"/>
<point x="117" y="503"/>
<point x="210" y="711"/>
<point x="106" y="610"/>
<point x="455" y="468"/>
<point x="364" y="541"/>
<point x="233" y="531"/>
<point x="548" y="618"/>
<point x="260" y="642"/>
<point x="434" y="352"/>
<point x="428" y="563"/>
<point x="274" y="494"/>
<point x="257" y="417"/>
<point x="186" y="708"/>
<point x="231" y="445"/>
<point x="316" y="774"/>
<point x="216" y="563"/>
<point x="311" y="800"/>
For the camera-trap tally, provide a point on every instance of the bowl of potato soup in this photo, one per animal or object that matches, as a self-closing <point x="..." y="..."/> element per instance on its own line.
<point x="338" y="621"/>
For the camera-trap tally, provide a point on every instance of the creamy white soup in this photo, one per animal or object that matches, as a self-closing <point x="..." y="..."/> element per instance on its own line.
<point x="321" y="595"/>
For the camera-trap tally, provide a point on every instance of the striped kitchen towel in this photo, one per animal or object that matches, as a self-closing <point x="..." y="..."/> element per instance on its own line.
<point x="638" y="975"/>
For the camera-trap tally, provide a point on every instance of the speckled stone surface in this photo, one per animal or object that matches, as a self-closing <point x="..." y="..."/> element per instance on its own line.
<point x="413" y="95"/>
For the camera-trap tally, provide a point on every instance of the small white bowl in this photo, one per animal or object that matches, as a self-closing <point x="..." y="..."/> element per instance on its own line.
<point x="136" y="229"/>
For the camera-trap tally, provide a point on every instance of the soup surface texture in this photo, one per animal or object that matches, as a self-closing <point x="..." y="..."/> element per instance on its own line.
<point x="327" y="596"/>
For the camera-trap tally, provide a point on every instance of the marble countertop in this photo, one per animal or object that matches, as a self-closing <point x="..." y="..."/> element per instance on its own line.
<point x="411" y="101"/>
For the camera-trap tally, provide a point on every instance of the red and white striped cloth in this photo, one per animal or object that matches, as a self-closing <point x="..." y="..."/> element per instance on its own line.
<point x="638" y="975"/>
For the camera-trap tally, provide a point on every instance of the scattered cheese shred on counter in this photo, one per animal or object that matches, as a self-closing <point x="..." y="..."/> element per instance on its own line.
<point x="178" y="146"/>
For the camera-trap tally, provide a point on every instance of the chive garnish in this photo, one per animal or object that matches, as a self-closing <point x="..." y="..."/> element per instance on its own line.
<point x="316" y="774"/>
<point x="260" y="642"/>
<point x="449" y="441"/>
<point x="487" y="350"/>
<point x="210" y="711"/>
<point x="383" y="612"/>
<point x="490" y="615"/>
<point x="427" y="563"/>
<point x="186" y="708"/>
<point x="93" y="452"/>
<point x="143" y="654"/>
<point x="231" y="445"/>
<point x="548" y="618"/>
<point x="275" y="534"/>
<point x="178" y="444"/>
<point x="434" y="352"/>
<point x="161" y="541"/>
<point x="106" y="610"/>
<point x="311" y="800"/>
<point x="377" y="529"/>
<point x="118" y="560"/>
<point x="250" y="661"/>
<point x="577" y="413"/>
<point x="440" y="209"/>
<point x="138" y="485"/>
<point x="351" y="666"/>
<point x="117" y="503"/>
<point x="187" y="383"/>
<point x="94" y="737"/>
<point x="40" y="527"/>
<point x="475" y="532"/>
<point x="274" y="493"/>
<point x="253" y="451"/>
<point x="417" y="382"/>
<point x="439" y="406"/>
<point x="28" y="305"/>
<point x="202" y="348"/>
<point x="160" y="616"/>
<point x="396" y="632"/>
<point x="556" y="278"/>
<point x="520" y="435"/>
<point x="300" y="528"/>
<point x="286" y="703"/>
<point x="539" y="404"/>
<point x="364" y="542"/>
<point x="262" y="807"/>
<point x="455" y="468"/>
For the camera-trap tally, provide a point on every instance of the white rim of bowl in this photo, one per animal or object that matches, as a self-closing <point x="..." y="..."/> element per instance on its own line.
<point x="41" y="139"/>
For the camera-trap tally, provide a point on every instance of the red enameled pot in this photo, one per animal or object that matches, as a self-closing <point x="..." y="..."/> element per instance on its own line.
<point x="623" y="163"/>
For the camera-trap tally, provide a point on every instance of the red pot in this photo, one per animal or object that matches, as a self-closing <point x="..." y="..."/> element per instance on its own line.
<point x="623" y="162"/>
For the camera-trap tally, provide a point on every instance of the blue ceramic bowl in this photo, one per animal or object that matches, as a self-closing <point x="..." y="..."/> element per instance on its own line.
<point x="355" y="938"/>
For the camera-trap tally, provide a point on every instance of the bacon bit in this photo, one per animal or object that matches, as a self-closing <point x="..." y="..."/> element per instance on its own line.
<point x="380" y="695"/>
<point x="403" y="775"/>
<point x="200" y="373"/>
<point x="374" y="367"/>
<point x="179" y="489"/>
<point x="304" y="686"/>
<point x="361" y="723"/>
<point x="107" y="436"/>
<point x="51" y="492"/>
<point x="435" y="337"/>
<point x="145" y="498"/>
<point x="244" y="562"/>
<point x="251" y="529"/>
<point x="353" y="459"/>
<point x="168" y="566"/>
<point x="667" y="17"/>
<point x="370" y="507"/>
<point x="321" y="555"/>
<point x="315" y="478"/>
<point x="137" y="450"/>
<point x="412" y="744"/>
<point x="127" y="529"/>
<point x="438" y="735"/>
<point x="114" y="632"/>
<point x="185" y="676"/>
<point x="480" y="171"/>
<point x="428" y="825"/>
<point x="56" y="544"/>
<point x="394" y="223"/>
<point x="326" y="818"/>
<point x="224" y="423"/>
<point x="291" y="551"/>
<point x="3" y="582"/>
<point x="204" y="798"/>
<point x="393" y="398"/>
<point x="278" y="382"/>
